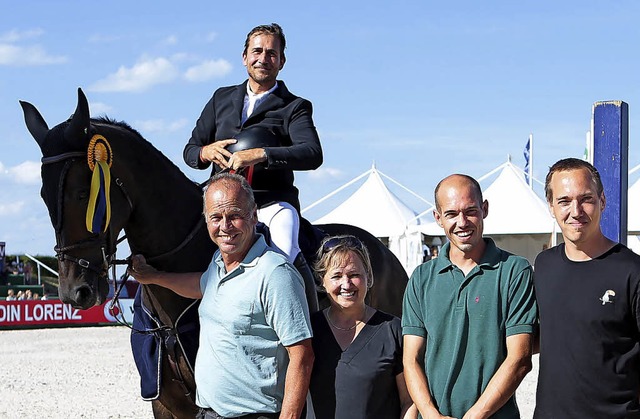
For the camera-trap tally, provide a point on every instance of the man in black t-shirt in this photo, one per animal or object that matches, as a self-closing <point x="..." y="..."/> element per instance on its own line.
<point x="587" y="291"/>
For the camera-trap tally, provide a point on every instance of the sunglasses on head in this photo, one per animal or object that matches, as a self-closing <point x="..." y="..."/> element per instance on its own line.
<point x="347" y="241"/>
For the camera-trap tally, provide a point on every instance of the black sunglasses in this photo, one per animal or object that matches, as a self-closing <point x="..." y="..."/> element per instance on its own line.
<point x="347" y="241"/>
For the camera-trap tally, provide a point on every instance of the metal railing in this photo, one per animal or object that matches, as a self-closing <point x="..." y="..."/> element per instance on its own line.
<point x="39" y="265"/>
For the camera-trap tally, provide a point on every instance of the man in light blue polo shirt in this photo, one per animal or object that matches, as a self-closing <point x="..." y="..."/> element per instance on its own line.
<point x="467" y="316"/>
<point x="255" y="354"/>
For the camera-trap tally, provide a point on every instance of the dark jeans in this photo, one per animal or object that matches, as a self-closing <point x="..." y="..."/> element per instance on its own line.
<point x="211" y="414"/>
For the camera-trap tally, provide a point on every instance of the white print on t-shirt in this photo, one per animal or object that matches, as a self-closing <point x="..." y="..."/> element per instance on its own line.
<point x="608" y="297"/>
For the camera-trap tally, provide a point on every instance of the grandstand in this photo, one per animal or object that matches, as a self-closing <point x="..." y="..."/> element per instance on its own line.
<point x="16" y="273"/>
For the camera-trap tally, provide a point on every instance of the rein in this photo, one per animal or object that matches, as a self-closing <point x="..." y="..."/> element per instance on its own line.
<point x="115" y="301"/>
<point x="168" y="334"/>
<point x="108" y="258"/>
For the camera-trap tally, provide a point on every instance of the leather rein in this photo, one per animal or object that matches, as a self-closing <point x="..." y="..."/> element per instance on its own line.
<point x="62" y="249"/>
<point x="108" y="252"/>
<point x="165" y="333"/>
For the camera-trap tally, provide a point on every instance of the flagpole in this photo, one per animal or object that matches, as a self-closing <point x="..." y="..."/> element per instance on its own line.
<point x="531" y="161"/>
<point x="588" y="156"/>
<point x="589" y="136"/>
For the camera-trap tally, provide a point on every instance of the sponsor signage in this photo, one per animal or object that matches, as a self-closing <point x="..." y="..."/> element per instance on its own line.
<point x="55" y="312"/>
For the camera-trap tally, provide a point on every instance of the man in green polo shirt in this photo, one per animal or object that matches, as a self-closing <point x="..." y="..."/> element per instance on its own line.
<point x="468" y="316"/>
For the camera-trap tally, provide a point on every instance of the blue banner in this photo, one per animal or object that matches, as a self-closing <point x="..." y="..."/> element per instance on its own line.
<point x="527" y="153"/>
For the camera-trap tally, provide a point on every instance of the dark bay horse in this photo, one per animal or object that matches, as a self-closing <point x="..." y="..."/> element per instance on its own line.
<point x="160" y="211"/>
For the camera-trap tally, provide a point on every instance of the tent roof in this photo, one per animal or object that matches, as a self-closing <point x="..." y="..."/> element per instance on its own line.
<point x="514" y="208"/>
<point x="373" y="207"/>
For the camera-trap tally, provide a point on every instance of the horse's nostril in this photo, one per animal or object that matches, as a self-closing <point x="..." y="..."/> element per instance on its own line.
<point x="83" y="294"/>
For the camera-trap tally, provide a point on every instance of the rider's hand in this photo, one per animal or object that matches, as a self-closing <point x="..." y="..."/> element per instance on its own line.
<point x="140" y="270"/>
<point x="246" y="158"/>
<point x="216" y="153"/>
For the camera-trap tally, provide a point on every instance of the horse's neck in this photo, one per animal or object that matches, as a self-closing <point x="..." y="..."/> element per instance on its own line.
<point x="166" y="205"/>
<point x="165" y="222"/>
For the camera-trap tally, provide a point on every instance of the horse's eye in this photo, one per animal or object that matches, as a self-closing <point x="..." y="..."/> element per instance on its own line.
<point x="83" y="195"/>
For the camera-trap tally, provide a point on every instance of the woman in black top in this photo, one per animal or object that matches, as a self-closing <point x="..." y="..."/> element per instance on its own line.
<point x="357" y="372"/>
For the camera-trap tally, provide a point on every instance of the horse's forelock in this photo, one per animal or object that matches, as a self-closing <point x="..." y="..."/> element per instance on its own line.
<point x="55" y="144"/>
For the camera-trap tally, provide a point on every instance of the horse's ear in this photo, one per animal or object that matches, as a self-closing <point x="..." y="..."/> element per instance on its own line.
<point x="35" y="123"/>
<point x="78" y="128"/>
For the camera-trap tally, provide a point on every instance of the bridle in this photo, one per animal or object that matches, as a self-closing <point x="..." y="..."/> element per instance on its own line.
<point x="166" y="333"/>
<point x="62" y="249"/>
<point x="109" y="260"/>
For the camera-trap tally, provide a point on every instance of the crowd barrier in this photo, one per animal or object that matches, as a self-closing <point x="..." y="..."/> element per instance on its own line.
<point x="55" y="313"/>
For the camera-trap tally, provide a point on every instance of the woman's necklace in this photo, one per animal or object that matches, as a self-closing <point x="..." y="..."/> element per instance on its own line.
<point x="345" y="329"/>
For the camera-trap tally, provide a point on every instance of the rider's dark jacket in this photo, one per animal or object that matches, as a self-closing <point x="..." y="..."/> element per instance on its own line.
<point x="283" y="113"/>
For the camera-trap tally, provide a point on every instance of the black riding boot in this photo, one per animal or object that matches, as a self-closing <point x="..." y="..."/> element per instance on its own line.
<point x="309" y="282"/>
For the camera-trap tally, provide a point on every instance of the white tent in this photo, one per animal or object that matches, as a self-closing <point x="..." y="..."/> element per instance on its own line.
<point x="514" y="208"/>
<point x="374" y="208"/>
<point x="519" y="220"/>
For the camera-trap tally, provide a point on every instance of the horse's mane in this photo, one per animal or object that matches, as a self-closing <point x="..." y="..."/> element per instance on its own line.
<point x="110" y="121"/>
<point x="105" y="120"/>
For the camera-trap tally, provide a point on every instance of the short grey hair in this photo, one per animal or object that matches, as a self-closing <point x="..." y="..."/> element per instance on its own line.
<point x="227" y="179"/>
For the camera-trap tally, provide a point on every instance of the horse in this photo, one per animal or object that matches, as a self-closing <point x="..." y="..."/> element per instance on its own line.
<point x="160" y="211"/>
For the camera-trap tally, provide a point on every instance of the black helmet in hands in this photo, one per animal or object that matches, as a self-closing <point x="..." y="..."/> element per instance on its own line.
<point x="254" y="136"/>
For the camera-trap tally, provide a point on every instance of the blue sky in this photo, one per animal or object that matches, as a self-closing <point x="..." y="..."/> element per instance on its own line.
<point x="421" y="88"/>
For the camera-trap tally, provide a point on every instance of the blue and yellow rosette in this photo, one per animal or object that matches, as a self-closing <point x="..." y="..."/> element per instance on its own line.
<point x="99" y="158"/>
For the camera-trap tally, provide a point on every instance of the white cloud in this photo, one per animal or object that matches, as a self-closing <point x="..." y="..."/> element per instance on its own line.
<point x="26" y="173"/>
<point x="208" y="70"/>
<point x="15" y="36"/>
<point x="104" y="39"/>
<point x="170" y="40"/>
<point x="159" y="125"/>
<point x="326" y="173"/>
<point x="145" y="74"/>
<point x="210" y="37"/>
<point x="27" y="56"/>
<point x="99" y="108"/>
<point x="181" y="56"/>
<point x="11" y="208"/>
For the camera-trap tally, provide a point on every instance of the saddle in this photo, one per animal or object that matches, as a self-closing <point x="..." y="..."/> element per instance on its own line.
<point x="309" y="238"/>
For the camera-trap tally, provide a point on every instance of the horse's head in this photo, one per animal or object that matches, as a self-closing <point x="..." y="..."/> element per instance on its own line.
<point x="76" y="189"/>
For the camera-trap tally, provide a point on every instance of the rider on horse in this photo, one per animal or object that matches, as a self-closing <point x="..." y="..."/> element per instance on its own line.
<point x="264" y="105"/>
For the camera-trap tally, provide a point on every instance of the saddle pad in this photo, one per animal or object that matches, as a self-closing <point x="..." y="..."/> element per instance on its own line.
<point x="148" y="348"/>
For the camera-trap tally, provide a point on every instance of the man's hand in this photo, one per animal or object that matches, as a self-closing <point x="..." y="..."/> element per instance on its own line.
<point x="506" y="379"/>
<point x="217" y="153"/>
<point x="140" y="270"/>
<point x="436" y="415"/>
<point x="187" y="284"/>
<point x="415" y="377"/>
<point x="247" y="158"/>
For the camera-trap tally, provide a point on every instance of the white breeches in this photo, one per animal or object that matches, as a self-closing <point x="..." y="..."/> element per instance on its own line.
<point x="284" y="223"/>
